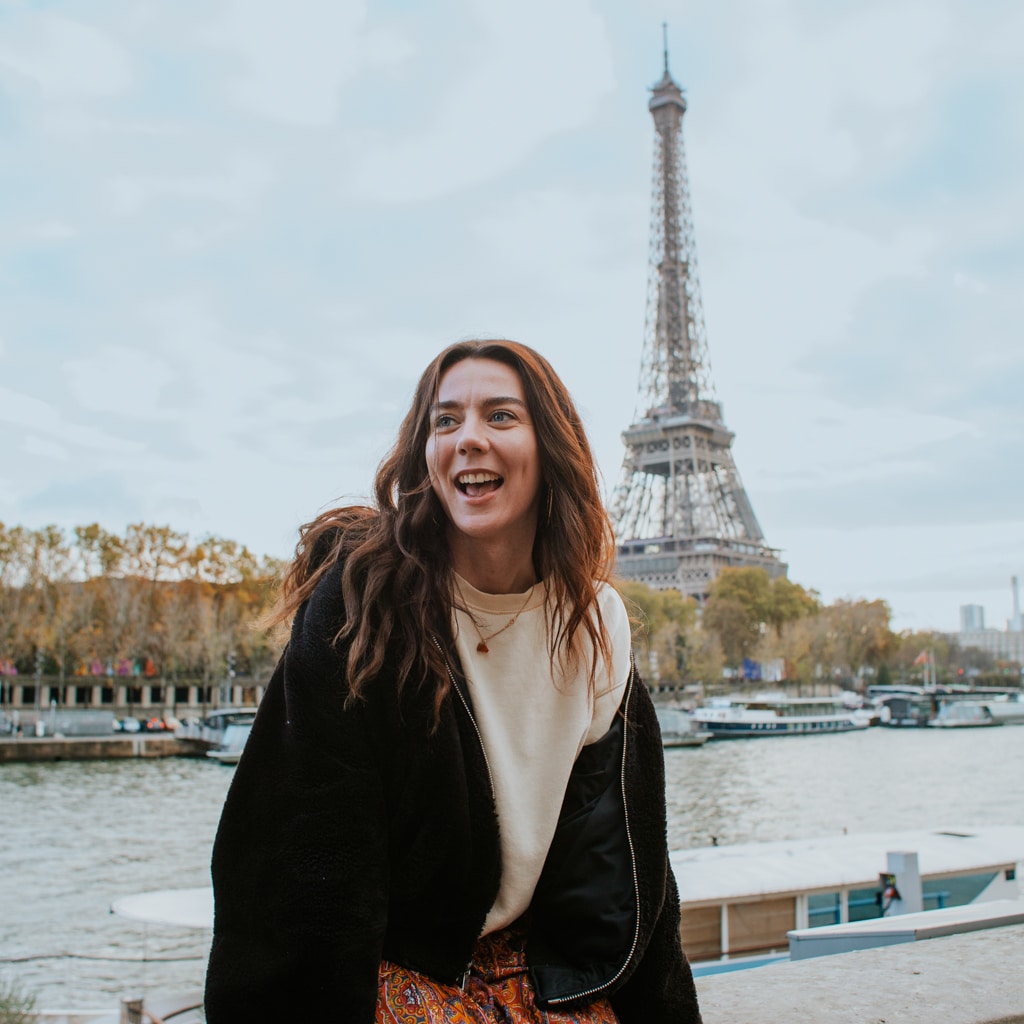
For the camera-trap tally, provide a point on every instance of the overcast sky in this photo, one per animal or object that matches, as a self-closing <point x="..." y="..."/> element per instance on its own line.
<point x="233" y="232"/>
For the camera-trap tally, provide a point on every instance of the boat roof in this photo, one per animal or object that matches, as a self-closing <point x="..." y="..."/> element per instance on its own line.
<point x="716" y="874"/>
<point x="189" y="908"/>
<point x="243" y="712"/>
<point x="769" y="698"/>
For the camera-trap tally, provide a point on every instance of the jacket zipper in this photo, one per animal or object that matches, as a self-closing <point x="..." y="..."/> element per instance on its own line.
<point x="632" y="854"/>
<point x="469" y="711"/>
<point x="483" y="750"/>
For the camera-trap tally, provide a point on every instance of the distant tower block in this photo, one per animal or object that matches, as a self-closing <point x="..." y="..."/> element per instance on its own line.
<point x="681" y="513"/>
<point x="972" y="618"/>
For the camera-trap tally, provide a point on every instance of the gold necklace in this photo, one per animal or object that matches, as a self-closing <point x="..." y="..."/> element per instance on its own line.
<point x="482" y="646"/>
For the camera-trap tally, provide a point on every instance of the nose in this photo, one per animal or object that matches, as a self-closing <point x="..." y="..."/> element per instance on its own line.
<point x="472" y="436"/>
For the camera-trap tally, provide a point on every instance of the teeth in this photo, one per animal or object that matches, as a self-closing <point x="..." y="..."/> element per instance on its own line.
<point x="477" y="478"/>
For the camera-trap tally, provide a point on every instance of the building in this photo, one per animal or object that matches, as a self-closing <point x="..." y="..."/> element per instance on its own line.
<point x="972" y="618"/>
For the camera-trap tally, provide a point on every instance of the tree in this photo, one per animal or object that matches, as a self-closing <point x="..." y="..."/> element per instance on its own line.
<point x="50" y="575"/>
<point x="800" y="643"/>
<point x="790" y="602"/>
<point x="15" y="616"/>
<point x="858" y="636"/>
<point x="663" y="621"/>
<point x="737" y="611"/>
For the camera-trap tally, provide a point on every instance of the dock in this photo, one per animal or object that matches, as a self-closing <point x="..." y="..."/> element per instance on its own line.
<point x="98" y="748"/>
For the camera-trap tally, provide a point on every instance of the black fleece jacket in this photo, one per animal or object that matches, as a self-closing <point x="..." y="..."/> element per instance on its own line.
<point x="351" y="835"/>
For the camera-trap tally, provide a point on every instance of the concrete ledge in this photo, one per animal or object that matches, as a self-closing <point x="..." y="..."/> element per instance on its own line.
<point x="977" y="978"/>
<point x="890" y="931"/>
<point x="95" y="748"/>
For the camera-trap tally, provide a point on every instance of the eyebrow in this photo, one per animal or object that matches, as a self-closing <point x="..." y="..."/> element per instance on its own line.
<point x="487" y="403"/>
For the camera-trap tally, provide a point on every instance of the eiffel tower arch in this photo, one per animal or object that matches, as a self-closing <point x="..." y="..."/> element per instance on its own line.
<point x="681" y="513"/>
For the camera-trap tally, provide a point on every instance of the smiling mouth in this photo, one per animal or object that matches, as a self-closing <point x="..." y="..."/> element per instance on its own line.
<point x="473" y="485"/>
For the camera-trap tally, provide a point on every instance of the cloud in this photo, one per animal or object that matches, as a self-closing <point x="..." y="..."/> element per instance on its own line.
<point x="239" y="185"/>
<point x="45" y="448"/>
<point x="62" y="57"/>
<point x="28" y="413"/>
<point x="294" y="59"/>
<point x="508" y="89"/>
<point x="118" y="380"/>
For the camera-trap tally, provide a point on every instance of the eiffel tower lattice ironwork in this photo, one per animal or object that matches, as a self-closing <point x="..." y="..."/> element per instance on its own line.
<point x="681" y="513"/>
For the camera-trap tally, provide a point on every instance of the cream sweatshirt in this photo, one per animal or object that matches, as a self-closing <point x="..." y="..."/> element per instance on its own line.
<point x="533" y="721"/>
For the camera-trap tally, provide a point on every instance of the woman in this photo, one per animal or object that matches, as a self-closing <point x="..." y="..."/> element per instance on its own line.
<point x="451" y="806"/>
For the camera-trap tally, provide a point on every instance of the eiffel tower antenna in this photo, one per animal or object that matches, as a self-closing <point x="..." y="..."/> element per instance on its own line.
<point x="681" y="513"/>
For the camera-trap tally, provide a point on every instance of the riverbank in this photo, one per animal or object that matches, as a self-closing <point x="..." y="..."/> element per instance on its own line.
<point x="96" y="748"/>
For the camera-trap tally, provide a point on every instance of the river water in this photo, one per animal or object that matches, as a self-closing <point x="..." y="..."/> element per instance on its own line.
<point x="76" y="836"/>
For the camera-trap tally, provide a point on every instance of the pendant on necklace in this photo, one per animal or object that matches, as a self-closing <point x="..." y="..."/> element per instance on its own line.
<point x="482" y="647"/>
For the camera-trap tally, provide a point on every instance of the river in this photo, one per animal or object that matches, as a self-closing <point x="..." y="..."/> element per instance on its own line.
<point x="76" y="836"/>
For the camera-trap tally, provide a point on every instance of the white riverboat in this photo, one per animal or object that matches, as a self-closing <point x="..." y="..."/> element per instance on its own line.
<point x="232" y="743"/>
<point x="963" y="715"/>
<point x="1007" y="708"/>
<point x="742" y="900"/>
<point x="769" y="714"/>
<point x="678" y="729"/>
<point x="738" y="903"/>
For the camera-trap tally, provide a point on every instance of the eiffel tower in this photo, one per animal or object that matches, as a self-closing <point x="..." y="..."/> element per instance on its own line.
<point x="681" y="514"/>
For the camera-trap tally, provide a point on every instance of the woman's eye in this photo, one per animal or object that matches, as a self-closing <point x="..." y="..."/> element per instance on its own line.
<point x="443" y="421"/>
<point x="501" y="416"/>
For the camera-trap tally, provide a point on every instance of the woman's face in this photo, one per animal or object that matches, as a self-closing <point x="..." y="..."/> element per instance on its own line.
<point x="482" y="454"/>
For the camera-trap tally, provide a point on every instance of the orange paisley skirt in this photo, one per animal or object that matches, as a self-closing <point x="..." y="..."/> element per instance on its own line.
<point x="497" y="991"/>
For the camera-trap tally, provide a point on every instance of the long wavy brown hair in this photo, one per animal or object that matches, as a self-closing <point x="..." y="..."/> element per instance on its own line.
<point x="397" y="581"/>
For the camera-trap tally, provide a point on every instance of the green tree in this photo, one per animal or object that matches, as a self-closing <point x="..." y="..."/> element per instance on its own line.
<point x="737" y="611"/>
<point x="790" y="602"/>
<point x="663" y="625"/>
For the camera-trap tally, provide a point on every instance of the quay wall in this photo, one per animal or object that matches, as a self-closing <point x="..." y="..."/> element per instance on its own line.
<point x="97" y="748"/>
<point x="972" y="978"/>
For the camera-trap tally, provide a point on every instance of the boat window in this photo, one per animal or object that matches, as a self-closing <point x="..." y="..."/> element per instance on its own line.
<point x="823" y="908"/>
<point x="954" y="892"/>
<point x="864" y="904"/>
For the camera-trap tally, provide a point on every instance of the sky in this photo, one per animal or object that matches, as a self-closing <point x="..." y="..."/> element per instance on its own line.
<point x="234" y="232"/>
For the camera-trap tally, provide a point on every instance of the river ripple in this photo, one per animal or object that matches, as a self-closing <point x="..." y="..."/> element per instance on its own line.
<point x="76" y="836"/>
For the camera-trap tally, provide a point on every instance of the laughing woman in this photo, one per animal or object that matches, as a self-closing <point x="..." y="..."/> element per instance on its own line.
<point x="451" y="807"/>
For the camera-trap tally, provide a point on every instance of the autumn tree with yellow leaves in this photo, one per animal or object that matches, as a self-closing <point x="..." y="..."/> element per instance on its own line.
<point x="91" y="602"/>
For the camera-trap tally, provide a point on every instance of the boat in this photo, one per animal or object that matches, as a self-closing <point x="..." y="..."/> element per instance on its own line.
<point x="221" y="734"/>
<point x="740" y="901"/>
<point x="178" y="908"/>
<point x="212" y="727"/>
<point x="232" y="743"/>
<point x="769" y="714"/>
<point x="951" y="708"/>
<point x="678" y="730"/>
<point x="1007" y="708"/>
<point x="963" y="715"/>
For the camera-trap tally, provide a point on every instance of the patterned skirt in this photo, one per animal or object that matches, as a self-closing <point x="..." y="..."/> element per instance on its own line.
<point x="497" y="991"/>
